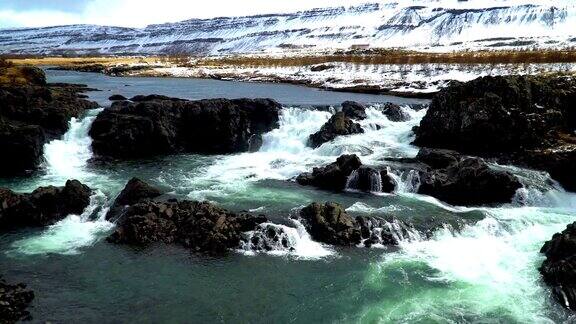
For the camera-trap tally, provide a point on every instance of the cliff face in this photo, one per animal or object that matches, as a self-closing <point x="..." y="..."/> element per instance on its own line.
<point x="428" y="25"/>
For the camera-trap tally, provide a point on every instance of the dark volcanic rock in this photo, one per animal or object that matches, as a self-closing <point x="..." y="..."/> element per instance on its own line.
<point x="93" y="68"/>
<point x="134" y="192"/>
<point x="354" y="110"/>
<point x="152" y="97"/>
<point x="495" y="114"/>
<point x="321" y="67"/>
<point x="525" y="120"/>
<point x="395" y="113"/>
<point x="117" y="97"/>
<point x="14" y="300"/>
<point x="44" y="206"/>
<point x="558" y="161"/>
<point x="200" y="226"/>
<point x="339" y="124"/>
<point x="32" y="114"/>
<point x="155" y="125"/>
<point x="348" y="170"/>
<point x="329" y="223"/>
<point x="464" y="181"/>
<point x="369" y="179"/>
<point x="559" y="268"/>
<point x="333" y="176"/>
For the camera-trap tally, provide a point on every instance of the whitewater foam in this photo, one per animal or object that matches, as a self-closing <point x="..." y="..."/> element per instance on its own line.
<point x="70" y="235"/>
<point x="293" y="241"/>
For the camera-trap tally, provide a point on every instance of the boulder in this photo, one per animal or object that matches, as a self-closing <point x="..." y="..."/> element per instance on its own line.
<point x="31" y="114"/>
<point x="354" y="110"/>
<point x="467" y="181"/>
<point x="200" y="226"/>
<point x="369" y="179"/>
<point x="134" y="192"/>
<point x="559" y="268"/>
<point x="495" y="114"/>
<point x="523" y="120"/>
<point x="321" y="67"/>
<point x="14" y="301"/>
<point x="395" y="113"/>
<point x="117" y="97"/>
<point x="388" y="184"/>
<point x="157" y="125"/>
<point x="334" y="176"/>
<point x="267" y="237"/>
<point x="330" y="223"/>
<point x="338" y="125"/>
<point x="44" y="206"/>
<point x="348" y="173"/>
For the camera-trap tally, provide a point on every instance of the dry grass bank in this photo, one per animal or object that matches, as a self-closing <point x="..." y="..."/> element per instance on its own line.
<point x="13" y="75"/>
<point x="75" y="61"/>
<point x="400" y="57"/>
<point x="376" y="56"/>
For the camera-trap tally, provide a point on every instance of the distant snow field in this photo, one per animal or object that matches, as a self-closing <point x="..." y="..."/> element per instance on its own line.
<point x="400" y="78"/>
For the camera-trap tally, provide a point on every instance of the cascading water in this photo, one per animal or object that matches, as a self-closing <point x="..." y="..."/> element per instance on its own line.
<point x="365" y="179"/>
<point x="66" y="159"/>
<point x="71" y="234"/>
<point x="283" y="240"/>
<point x="284" y="153"/>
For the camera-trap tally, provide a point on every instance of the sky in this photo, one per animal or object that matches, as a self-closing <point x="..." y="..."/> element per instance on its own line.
<point x="139" y="13"/>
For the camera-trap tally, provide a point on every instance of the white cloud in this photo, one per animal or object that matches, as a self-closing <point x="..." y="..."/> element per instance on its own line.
<point x="139" y="13"/>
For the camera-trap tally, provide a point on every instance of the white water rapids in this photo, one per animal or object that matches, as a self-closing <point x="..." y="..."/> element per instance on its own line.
<point x="488" y="267"/>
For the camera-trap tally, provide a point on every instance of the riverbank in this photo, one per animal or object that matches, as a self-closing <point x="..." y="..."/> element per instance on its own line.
<point x="391" y="72"/>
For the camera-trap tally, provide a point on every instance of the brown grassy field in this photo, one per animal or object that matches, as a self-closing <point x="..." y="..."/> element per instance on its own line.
<point x="376" y="56"/>
<point x="400" y="57"/>
<point x="70" y="61"/>
<point x="11" y="74"/>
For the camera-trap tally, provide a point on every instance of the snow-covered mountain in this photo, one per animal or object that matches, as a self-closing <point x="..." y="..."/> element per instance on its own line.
<point x="433" y="25"/>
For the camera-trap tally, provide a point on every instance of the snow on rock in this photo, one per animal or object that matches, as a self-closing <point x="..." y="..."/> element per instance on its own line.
<point x="432" y="25"/>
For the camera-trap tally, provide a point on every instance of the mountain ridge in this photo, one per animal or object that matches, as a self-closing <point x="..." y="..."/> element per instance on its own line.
<point x="437" y="26"/>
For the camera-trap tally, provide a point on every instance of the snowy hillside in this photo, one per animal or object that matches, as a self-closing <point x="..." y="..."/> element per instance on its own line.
<point x="424" y="25"/>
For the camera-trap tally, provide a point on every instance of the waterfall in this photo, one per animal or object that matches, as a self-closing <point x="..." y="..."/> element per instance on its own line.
<point x="406" y="181"/>
<point x="71" y="234"/>
<point x="67" y="158"/>
<point x="278" y="239"/>
<point x="365" y="179"/>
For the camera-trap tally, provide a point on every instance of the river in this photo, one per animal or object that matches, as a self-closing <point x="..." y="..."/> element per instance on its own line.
<point x="485" y="272"/>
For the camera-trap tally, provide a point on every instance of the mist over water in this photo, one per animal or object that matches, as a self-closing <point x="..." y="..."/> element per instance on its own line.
<point x="485" y="271"/>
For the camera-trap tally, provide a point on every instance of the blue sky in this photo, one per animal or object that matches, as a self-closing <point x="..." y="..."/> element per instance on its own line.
<point x="139" y="13"/>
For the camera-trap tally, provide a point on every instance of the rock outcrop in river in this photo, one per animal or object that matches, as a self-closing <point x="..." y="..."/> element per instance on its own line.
<point x="559" y="268"/>
<point x="329" y="223"/>
<point x="31" y="114"/>
<point x="134" y="192"/>
<point x="348" y="170"/>
<point x="354" y="110"/>
<point x="338" y="125"/>
<point x="200" y="226"/>
<point x="524" y="120"/>
<point x="462" y="180"/>
<point x="153" y="125"/>
<point x="14" y="300"/>
<point x="44" y="206"/>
